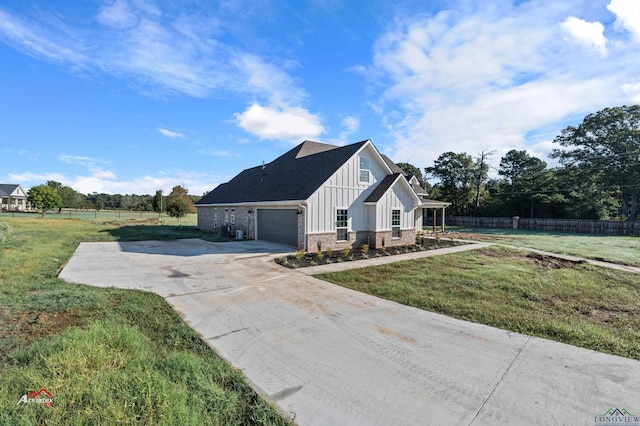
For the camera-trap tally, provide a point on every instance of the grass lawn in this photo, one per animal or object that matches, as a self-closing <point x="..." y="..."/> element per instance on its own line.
<point x="616" y="249"/>
<point x="575" y="303"/>
<point x="108" y="356"/>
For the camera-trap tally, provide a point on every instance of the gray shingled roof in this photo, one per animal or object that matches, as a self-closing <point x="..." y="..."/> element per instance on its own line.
<point x="294" y="175"/>
<point x="393" y="166"/>
<point x="7" y="189"/>
<point x="382" y="187"/>
<point x="419" y="190"/>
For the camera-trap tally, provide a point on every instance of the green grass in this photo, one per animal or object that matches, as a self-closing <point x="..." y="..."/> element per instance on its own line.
<point x="616" y="249"/>
<point x="108" y="356"/>
<point x="578" y="304"/>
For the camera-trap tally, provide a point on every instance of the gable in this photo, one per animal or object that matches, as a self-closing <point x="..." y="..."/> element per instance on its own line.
<point x="391" y="182"/>
<point x="12" y="190"/>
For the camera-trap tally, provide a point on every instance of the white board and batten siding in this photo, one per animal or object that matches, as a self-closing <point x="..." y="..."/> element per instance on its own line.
<point x="343" y="190"/>
<point x="397" y="197"/>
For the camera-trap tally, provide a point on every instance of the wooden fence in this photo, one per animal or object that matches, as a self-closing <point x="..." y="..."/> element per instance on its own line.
<point x="607" y="227"/>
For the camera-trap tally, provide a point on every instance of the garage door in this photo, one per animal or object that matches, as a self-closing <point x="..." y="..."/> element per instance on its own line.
<point x="279" y="226"/>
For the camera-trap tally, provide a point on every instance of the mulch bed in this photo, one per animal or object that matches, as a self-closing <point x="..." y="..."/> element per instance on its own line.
<point x="301" y="259"/>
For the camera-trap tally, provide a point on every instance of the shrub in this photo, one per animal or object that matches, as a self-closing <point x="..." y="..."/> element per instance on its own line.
<point x="365" y="249"/>
<point x="5" y="230"/>
<point x="346" y="251"/>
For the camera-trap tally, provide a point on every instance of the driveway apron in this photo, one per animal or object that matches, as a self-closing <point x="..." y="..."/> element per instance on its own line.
<point x="329" y="355"/>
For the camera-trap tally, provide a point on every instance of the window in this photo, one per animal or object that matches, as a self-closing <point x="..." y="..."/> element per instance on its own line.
<point x="233" y="216"/>
<point x="215" y="217"/>
<point x="395" y="223"/>
<point x="341" y="225"/>
<point x="364" y="170"/>
<point x="226" y="216"/>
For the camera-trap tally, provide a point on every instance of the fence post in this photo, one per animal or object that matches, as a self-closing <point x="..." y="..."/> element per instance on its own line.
<point x="515" y="220"/>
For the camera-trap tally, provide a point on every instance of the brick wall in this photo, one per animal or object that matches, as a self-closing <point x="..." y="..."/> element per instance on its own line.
<point x="358" y="238"/>
<point x="243" y="220"/>
<point x="407" y="237"/>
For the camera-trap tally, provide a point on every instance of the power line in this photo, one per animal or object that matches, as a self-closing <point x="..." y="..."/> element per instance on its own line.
<point x="551" y="191"/>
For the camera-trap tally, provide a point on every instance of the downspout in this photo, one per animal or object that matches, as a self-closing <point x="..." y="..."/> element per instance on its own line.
<point x="304" y="225"/>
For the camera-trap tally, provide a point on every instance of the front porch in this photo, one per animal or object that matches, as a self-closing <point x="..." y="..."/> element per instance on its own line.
<point x="428" y="214"/>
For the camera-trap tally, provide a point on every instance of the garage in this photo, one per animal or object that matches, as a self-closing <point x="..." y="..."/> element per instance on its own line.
<point x="278" y="226"/>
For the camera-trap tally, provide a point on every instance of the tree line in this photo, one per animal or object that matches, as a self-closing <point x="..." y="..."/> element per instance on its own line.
<point x="598" y="176"/>
<point x="55" y="195"/>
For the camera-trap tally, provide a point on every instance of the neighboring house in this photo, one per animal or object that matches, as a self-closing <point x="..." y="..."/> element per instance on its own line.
<point x="319" y="194"/>
<point x="13" y="198"/>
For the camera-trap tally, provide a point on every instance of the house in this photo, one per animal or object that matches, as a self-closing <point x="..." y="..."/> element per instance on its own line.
<point x="319" y="195"/>
<point x="13" y="198"/>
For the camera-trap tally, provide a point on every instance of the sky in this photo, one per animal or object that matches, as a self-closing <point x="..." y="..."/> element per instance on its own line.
<point x="135" y="96"/>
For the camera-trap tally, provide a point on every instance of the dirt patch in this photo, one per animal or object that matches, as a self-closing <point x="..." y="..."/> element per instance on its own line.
<point x="602" y="314"/>
<point x="552" y="262"/>
<point x="23" y="327"/>
<point x="502" y="254"/>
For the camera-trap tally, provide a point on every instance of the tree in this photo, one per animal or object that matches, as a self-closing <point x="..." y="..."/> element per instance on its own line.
<point x="456" y="174"/>
<point x="179" y="203"/>
<point x="605" y="148"/>
<point x="43" y="197"/>
<point x="523" y="174"/>
<point x="158" y="203"/>
<point x="69" y="197"/>
<point x="178" y="208"/>
<point x="481" y="176"/>
<point x="410" y="169"/>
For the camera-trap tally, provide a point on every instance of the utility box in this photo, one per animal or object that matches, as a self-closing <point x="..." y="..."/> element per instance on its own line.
<point x="239" y="234"/>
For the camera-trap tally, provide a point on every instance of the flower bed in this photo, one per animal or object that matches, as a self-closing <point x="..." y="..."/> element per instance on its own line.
<point x="301" y="259"/>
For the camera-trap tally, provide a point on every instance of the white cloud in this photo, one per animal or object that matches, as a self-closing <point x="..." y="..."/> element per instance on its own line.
<point x="351" y="123"/>
<point x="38" y="40"/>
<point x="29" y="179"/>
<point x="633" y="91"/>
<point x="498" y="79"/>
<point x="588" y="34"/>
<point x="102" y="174"/>
<point x="102" y="181"/>
<point x="170" y="133"/>
<point x="117" y="15"/>
<point x="269" y="80"/>
<point x="79" y="159"/>
<point x="108" y="185"/>
<point x="218" y="153"/>
<point x="287" y="123"/>
<point x="156" y="52"/>
<point x="627" y="15"/>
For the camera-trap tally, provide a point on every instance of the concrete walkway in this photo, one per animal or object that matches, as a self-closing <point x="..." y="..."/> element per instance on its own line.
<point x="330" y="355"/>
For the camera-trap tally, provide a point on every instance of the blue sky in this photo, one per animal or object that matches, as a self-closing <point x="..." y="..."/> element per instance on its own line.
<point x="132" y="96"/>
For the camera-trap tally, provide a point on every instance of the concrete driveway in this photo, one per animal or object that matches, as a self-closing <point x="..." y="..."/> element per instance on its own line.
<point x="330" y="355"/>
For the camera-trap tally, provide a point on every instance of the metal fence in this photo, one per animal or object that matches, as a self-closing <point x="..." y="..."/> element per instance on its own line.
<point x="607" y="227"/>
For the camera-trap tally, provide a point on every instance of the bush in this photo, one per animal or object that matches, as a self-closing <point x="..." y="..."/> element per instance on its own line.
<point x="5" y="231"/>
